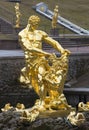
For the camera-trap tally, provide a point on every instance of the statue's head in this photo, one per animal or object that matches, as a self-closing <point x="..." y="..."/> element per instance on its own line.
<point x="33" y="21"/>
<point x="17" y="5"/>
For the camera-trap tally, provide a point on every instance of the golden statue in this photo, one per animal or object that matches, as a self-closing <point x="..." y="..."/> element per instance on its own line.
<point x="76" y="119"/>
<point x="83" y="107"/>
<point x="20" y="106"/>
<point x="7" y="107"/>
<point x="18" y="14"/>
<point x="45" y="72"/>
<point x="55" y="17"/>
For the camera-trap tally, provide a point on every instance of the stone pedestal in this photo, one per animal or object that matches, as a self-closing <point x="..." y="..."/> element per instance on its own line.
<point x="54" y="32"/>
<point x="17" y="29"/>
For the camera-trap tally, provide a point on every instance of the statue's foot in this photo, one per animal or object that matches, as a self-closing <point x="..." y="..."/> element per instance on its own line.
<point x="40" y="105"/>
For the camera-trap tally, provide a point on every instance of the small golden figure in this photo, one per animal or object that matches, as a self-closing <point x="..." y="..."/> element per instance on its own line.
<point x="83" y="107"/>
<point x="55" y="17"/>
<point x="76" y="119"/>
<point x="7" y="107"/>
<point x="18" y="14"/>
<point x="20" y="106"/>
<point x="45" y="72"/>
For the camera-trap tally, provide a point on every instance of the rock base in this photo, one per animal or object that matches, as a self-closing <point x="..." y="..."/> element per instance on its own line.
<point x="10" y="120"/>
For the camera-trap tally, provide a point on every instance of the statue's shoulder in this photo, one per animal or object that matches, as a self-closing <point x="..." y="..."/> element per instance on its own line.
<point x="42" y="33"/>
<point x="23" y="32"/>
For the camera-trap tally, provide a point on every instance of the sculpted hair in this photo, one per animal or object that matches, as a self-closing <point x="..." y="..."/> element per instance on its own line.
<point x="33" y="19"/>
